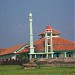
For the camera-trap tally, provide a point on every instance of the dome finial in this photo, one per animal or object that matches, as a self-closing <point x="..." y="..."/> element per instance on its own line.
<point x="48" y="28"/>
<point x="30" y="14"/>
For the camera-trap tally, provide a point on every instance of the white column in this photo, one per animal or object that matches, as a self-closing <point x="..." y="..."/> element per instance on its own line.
<point x="45" y="42"/>
<point x="47" y="56"/>
<point x="51" y="41"/>
<point x="14" y="57"/>
<point x="35" y="55"/>
<point x="30" y="56"/>
<point x="64" y="54"/>
<point x="51" y="45"/>
<point x="52" y="54"/>
<point x="73" y="54"/>
<point x="31" y="36"/>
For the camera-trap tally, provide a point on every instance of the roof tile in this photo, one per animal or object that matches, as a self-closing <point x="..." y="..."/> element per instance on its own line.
<point x="11" y="49"/>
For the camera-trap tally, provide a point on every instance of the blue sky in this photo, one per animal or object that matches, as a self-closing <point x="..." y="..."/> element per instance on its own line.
<point x="14" y="22"/>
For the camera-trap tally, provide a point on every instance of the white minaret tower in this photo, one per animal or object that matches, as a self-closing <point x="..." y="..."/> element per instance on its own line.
<point x="31" y="36"/>
<point x="48" y="41"/>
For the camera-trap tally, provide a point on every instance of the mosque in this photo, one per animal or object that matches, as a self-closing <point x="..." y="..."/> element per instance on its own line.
<point x="50" y="45"/>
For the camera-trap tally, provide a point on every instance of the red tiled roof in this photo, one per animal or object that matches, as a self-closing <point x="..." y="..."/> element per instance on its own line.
<point x="2" y="49"/>
<point x="63" y="44"/>
<point x="53" y="32"/>
<point x="58" y="44"/>
<point x="11" y="49"/>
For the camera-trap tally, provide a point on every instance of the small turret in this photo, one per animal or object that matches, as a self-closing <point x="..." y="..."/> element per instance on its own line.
<point x="48" y="28"/>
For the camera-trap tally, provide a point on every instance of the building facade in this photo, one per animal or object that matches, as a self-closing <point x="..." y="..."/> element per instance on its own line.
<point x="49" y="45"/>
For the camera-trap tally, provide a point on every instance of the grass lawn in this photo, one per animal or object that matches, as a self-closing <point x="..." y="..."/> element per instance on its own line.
<point x="19" y="70"/>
